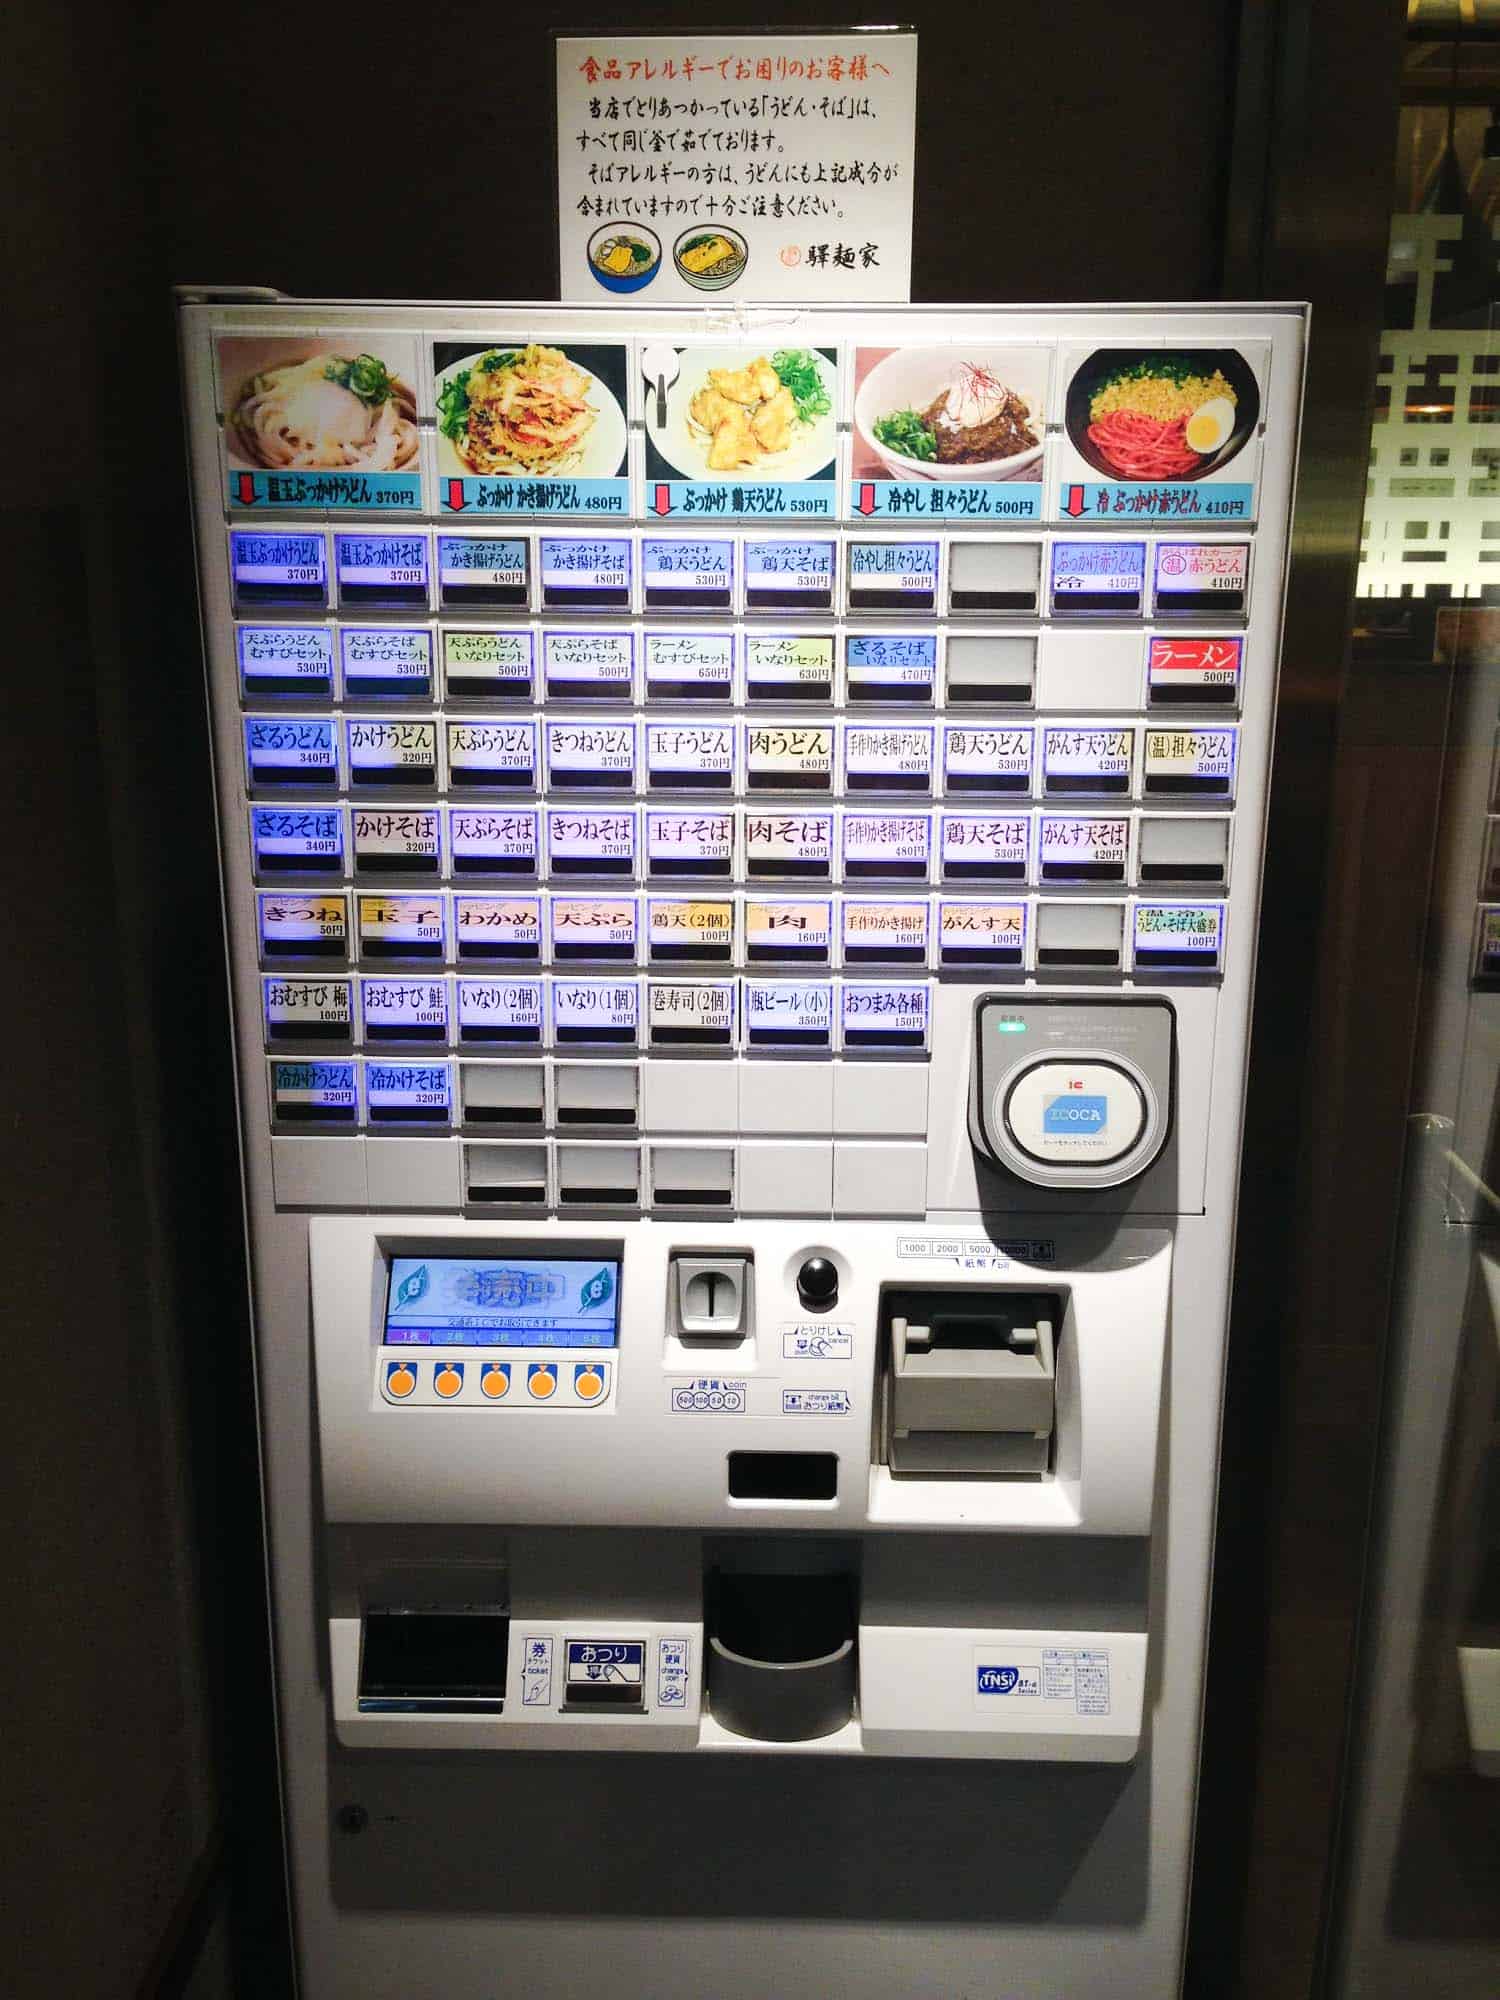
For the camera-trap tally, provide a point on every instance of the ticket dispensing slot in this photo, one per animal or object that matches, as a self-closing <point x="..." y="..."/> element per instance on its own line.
<point x="433" y="1661"/>
<point x="970" y="1382"/>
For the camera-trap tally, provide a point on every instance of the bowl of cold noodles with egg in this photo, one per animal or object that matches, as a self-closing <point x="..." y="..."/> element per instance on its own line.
<point x="624" y="256"/>
<point x="326" y="413"/>
<point x="1144" y="414"/>
<point x="953" y="413"/>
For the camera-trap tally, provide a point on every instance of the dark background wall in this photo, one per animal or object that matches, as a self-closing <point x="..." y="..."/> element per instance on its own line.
<point x="1065" y="151"/>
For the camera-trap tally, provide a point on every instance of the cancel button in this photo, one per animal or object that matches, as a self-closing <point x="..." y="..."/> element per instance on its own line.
<point x="1065" y="1110"/>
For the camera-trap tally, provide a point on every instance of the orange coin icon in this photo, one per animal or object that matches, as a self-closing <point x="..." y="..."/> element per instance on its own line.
<point x="448" y="1380"/>
<point x="588" y="1383"/>
<point x="400" y="1379"/>
<point x="541" y="1381"/>
<point x="495" y="1380"/>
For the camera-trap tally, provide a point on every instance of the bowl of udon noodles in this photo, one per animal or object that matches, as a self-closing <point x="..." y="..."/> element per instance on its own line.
<point x="324" y="413"/>
<point x="624" y="257"/>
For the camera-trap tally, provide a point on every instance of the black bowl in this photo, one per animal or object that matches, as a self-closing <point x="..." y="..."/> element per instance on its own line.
<point x="1107" y="361"/>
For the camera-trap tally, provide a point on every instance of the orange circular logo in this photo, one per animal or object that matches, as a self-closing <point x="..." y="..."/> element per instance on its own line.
<point x="542" y="1383"/>
<point x="791" y="255"/>
<point x="589" y="1384"/>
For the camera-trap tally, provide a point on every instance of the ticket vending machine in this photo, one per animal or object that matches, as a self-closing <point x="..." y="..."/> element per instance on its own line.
<point x="741" y="836"/>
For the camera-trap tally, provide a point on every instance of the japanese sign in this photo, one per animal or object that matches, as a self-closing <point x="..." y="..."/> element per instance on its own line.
<point x="758" y="166"/>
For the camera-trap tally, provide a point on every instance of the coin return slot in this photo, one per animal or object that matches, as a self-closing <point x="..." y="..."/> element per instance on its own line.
<point x="783" y="1475"/>
<point x="692" y="1176"/>
<point x="781" y="1655"/>
<point x="599" y="1176"/>
<point x="1184" y="852"/>
<point x="505" y="1176"/>
<point x="1085" y="937"/>
<point x="994" y="576"/>
<point x="597" y="1094"/>
<point x="433" y="1662"/>
<point x="991" y="669"/>
<point x="968" y="1387"/>
<point x="512" y="1094"/>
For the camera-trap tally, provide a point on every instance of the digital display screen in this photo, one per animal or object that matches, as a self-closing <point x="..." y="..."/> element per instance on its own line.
<point x="503" y="1302"/>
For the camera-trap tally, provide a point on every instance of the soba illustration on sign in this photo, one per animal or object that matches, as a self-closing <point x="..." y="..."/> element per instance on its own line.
<point x="1161" y="433"/>
<point x="950" y="433"/>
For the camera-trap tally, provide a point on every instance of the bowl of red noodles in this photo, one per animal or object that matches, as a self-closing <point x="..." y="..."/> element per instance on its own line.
<point x="1141" y="414"/>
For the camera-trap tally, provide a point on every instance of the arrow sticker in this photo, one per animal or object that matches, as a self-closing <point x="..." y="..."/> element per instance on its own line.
<point x="1074" y="504"/>
<point x="661" y="499"/>
<point x="866" y="500"/>
<point x="456" y="501"/>
<point x="247" y="493"/>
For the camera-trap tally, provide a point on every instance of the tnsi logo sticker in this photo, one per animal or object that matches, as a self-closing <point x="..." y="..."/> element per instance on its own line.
<point x="1006" y="1680"/>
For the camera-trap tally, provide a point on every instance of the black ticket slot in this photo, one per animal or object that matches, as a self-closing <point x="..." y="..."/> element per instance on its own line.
<point x="433" y="1662"/>
<point x="781" y="1649"/>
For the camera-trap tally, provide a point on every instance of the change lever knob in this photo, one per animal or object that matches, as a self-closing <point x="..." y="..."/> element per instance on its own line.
<point x="818" y="1284"/>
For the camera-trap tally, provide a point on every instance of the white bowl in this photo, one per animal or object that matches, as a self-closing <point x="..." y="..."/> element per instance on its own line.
<point x="912" y="379"/>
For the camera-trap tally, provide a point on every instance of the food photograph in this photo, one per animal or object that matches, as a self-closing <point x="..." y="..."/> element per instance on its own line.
<point x="534" y="411"/>
<point x="315" y="405"/>
<point x="758" y="414"/>
<point x="950" y="413"/>
<point x="1137" y="414"/>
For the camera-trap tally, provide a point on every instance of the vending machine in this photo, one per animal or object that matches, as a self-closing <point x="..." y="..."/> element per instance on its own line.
<point x="741" y="836"/>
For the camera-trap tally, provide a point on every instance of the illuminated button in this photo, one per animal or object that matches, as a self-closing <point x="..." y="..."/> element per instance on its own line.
<point x="541" y="1380"/>
<point x="449" y="1378"/>
<point x="400" y="1378"/>
<point x="494" y="1380"/>
<point x="590" y="1381"/>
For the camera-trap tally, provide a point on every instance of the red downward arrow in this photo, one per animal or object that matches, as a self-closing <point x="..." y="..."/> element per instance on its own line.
<point x="1074" y="503"/>
<point x="247" y="488"/>
<point x="661" y="500"/>
<point x="456" y="500"/>
<point x="866" y="501"/>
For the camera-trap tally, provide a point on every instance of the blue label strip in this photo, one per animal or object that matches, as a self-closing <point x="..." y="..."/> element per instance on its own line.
<point x="1191" y="501"/>
<point x="802" y="499"/>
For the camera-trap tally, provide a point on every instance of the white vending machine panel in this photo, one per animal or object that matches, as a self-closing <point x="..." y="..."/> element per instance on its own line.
<point x="741" y="835"/>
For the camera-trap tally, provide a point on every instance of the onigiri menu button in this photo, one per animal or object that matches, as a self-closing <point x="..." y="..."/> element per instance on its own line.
<point x="1093" y="575"/>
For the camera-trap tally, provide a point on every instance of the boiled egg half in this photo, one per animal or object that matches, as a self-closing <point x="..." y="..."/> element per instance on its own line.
<point x="1209" y="425"/>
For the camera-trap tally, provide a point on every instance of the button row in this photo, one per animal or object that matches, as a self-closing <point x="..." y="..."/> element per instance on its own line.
<point x="721" y="759"/>
<point x="741" y="666"/>
<point x="653" y="574"/>
<point x="560" y="1384"/>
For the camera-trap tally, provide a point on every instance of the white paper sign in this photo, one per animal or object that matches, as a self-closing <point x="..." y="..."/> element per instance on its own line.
<point x="821" y="215"/>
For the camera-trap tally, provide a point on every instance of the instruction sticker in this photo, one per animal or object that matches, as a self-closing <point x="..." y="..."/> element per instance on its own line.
<point x="488" y="665"/>
<point x="982" y="934"/>
<point x="1072" y="1678"/>
<point x="985" y="847"/>
<point x="901" y="666"/>
<point x="386" y="662"/>
<point x="536" y="1670"/>
<point x="595" y="1010"/>
<point x="886" y="846"/>
<point x="485" y="841"/>
<point x="791" y="845"/>
<point x="690" y="1015"/>
<point x="500" y="1010"/>
<point x="673" y="1662"/>
<point x="585" y="842"/>
<point x="481" y="570"/>
<point x="689" y="843"/>
<point x="708" y="1396"/>
<point x="400" y="926"/>
<point x="285" y="659"/>
<point x="498" y="927"/>
<point x="691" y="575"/>
<point x="297" y="843"/>
<point x="495" y="756"/>
<point x="689" y="666"/>
<point x="816" y="1403"/>
<point x="795" y="931"/>
<point x="295" y="926"/>
<point x="812" y="1340"/>
<point x="788" y="666"/>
